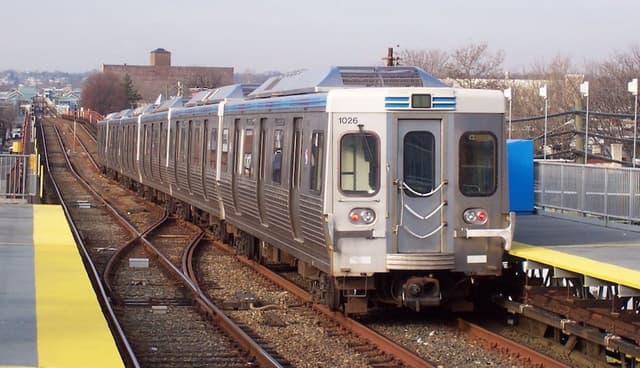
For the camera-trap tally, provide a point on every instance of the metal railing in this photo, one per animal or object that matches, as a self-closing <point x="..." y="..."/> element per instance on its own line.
<point x="609" y="192"/>
<point x="18" y="177"/>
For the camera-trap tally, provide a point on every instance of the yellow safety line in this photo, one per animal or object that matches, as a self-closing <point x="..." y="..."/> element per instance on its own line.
<point x="577" y="264"/>
<point x="595" y="245"/>
<point x="71" y="329"/>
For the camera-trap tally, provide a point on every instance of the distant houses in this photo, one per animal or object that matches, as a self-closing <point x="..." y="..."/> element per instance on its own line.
<point x="20" y="99"/>
<point x="17" y="96"/>
<point x="64" y="99"/>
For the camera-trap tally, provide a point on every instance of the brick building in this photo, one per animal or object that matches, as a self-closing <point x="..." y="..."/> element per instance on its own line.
<point x="161" y="78"/>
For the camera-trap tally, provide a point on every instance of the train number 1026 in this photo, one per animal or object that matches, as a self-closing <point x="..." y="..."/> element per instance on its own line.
<point x="348" y="120"/>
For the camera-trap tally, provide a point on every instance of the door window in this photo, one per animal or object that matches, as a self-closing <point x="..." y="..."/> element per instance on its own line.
<point x="317" y="160"/>
<point x="276" y="164"/>
<point x="213" y="146"/>
<point x="418" y="162"/>
<point x="247" y="153"/>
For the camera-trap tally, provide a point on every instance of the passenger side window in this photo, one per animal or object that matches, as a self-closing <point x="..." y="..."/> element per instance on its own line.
<point x="316" y="161"/>
<point x="172" y="142"/>
<point x="276" y="164"/>
<point x="359" y="164"/>
<point x="147" y="143"/>
<point x="154" y="142"/>
<point x="478" y="164"/>
<point x="163" y="143"/>
<point x="182" y="145"/>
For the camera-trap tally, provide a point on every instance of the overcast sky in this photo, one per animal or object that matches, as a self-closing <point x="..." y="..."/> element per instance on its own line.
<point x="80" y="35"/>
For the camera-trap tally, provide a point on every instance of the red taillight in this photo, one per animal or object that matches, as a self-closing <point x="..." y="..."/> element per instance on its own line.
<point x="355" y="216"/>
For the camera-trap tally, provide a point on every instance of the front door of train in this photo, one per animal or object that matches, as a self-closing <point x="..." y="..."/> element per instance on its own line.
<point x="419" y="195"/>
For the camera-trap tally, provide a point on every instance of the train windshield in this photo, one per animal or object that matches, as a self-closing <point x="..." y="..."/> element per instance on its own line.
<point x="478" y="157"/>
<point x="359" y="163"/>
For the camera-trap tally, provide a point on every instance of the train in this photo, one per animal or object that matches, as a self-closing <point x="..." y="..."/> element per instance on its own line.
<point x="382" y="186"/>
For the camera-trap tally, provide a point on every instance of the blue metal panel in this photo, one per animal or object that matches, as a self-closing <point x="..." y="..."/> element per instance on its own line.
<point x="520" y="168"/>
<point x="391" y="102"/>
<point x="443" y="102"/>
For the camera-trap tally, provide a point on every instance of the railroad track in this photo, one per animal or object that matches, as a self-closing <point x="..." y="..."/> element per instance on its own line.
<point x="478" y="346"/>
<point x="169" y="331"/>
<point x="60" y="163"/>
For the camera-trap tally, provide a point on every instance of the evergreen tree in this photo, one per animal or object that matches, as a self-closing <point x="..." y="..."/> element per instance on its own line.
<point x="130" y="91"/>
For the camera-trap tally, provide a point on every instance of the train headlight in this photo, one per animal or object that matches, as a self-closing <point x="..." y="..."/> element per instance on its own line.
<point x="475" y="216"/>
<point x="362" y="216"/>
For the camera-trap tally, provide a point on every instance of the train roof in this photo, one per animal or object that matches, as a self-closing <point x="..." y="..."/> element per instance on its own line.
<point x="322" y="80"/>
<point x="177" y="101"/>
<point x="212" y="96"/>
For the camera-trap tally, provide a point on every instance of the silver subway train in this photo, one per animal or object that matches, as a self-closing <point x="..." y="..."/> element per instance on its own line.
<point x="382" y="185"/>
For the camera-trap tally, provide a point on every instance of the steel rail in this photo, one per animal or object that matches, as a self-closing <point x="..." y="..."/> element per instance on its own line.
<point x="89" y="155"/>
<point x="116" y="257"/>
<point x="217" y="315"/>
<point x="213" y="312"/>
<point x="532" y="357"/>
<point x="121" y="339"/>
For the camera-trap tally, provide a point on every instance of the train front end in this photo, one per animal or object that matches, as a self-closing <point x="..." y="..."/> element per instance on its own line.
<point x="420" y="212"/>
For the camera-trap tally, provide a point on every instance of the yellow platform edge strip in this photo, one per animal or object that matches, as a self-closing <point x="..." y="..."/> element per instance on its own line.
<point x="577" y="264"/>
<point x="71" y="329"/>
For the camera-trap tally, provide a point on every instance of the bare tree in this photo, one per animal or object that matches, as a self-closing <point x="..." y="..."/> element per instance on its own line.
<point x="249" y="76"/>
<point x="471" y="66"/>
<point x="433" y="61"/>
<point x="104" y="93"/>
<point x="609" y="92"/>
<point x="562" y="83"/>
<point x="8" y="114"/>
<point x="610" y="78"/>
<point x="204" y="80"/>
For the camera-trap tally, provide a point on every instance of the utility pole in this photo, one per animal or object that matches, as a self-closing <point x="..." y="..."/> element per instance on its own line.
<point x="581" y="159"/>
<point x="391" y="60"/>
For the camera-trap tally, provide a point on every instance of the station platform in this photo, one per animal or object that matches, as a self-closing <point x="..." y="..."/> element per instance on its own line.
<point x="49" y="313"/>
<point x="581" y="246"/>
